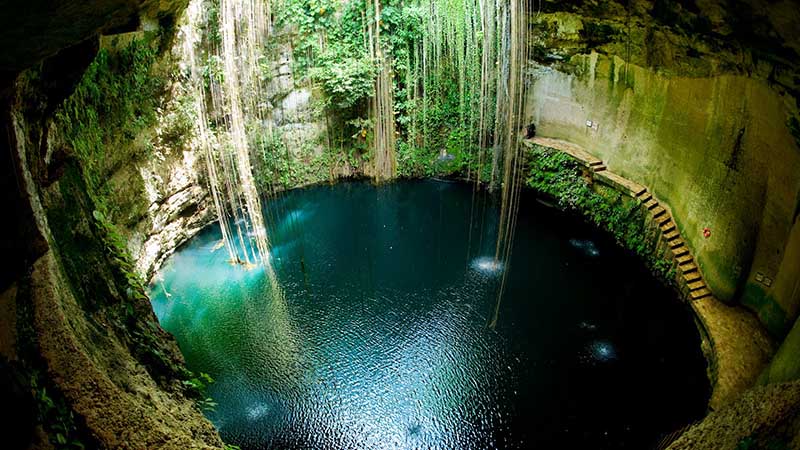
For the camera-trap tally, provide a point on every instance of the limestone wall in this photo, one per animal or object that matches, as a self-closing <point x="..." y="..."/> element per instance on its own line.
<point x="178" y="207"/>
<point x="173" y="181"/>
<point x="716" y="149"/>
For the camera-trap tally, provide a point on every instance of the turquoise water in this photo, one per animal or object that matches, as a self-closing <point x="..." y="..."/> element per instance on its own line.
<point x="381" y="339"/>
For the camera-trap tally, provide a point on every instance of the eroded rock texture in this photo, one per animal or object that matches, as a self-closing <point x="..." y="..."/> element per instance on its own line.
<point x="80" y="341"/>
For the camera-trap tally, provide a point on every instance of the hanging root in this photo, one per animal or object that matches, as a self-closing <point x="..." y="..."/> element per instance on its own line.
<point x="516" y="20"/>
<point x="382" y="104"/>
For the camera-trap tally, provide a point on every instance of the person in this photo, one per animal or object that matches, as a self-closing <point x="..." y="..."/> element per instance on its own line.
<point x="530" y="131"/>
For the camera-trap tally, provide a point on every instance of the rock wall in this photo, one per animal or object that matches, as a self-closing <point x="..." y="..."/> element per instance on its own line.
<point x="162" y="199"/>
<point x="88" y="363"/>
<point x="296" y="110"/>
<point x="704" y="126"/>
<point x="699" y="101"/>
<point x="714" y="145"/>
<point x="179" y="207"/>
<point x="173" y="181"/>
<point x="763" y="417"/>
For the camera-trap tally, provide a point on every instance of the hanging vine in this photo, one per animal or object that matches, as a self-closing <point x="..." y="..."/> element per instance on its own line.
<point x="232" y="35"/>
<point x="415" y="87"/>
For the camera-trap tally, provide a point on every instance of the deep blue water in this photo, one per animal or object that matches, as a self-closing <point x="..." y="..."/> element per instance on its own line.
<point x="382" y="338"/>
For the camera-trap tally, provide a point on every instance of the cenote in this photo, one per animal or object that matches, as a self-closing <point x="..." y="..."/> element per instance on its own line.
<point x="381" y="339"/>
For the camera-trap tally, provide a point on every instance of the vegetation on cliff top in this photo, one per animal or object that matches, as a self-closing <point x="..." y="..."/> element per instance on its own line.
<point x="434" y="52"/>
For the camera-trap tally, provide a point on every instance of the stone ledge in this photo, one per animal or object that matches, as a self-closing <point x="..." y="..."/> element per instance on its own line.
<point x="735" y="343"/>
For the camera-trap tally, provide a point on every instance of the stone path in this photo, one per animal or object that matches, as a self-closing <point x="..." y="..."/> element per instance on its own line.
<point x="739" y="348"/>
<point x="736" y="344"/>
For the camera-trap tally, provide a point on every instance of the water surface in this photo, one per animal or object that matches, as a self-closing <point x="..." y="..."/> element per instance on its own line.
<point x="382" y="341"/>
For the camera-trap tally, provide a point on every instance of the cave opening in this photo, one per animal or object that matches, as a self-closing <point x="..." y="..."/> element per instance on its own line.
<point x="400" y="224"/>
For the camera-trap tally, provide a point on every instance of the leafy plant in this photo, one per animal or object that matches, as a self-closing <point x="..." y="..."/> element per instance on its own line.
<point x="54" y="413"/>
<point x="116" y="247"/>
<point x="347" y="80"/>
<point x="213" y="70"/>
<point x="114" y="102"/>
<point x="197" y="386"/>
<point x="556" y="174"/>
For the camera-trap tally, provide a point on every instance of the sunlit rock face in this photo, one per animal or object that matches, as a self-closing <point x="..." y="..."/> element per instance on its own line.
<point x="179" y="206"/>
<point x="295" y="113"/>
<point x="282" y="81"/>
<point x="296" y="122"/>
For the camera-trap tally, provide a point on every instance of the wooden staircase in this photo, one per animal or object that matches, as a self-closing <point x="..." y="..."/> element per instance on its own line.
<point x="690" y="281"/>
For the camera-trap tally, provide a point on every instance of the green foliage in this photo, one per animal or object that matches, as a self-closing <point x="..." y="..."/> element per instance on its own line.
<point x="436" y="109"/>
<point x="313" y="21"/>
<point x="402" y="26"/>
<point x="212" y="70"/>
<point x="347" y="80"/>
<point x="438" y="126"/>
<point x="196" y="386"/>
<point x="414" y="162"/>
<point x="459" y="160"/>
<point x="54" y="413"/>
<point x="113" y="103"/>
<point x="117" y="249"/>
<point x="753" y="443"/>
<point x="557" y="175"/>
<point x="279" y="168"/>
<point x="212" y="32"/>
<point x="178" y="122"/>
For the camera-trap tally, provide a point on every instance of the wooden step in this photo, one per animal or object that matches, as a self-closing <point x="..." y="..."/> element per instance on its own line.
<point x="645" y="197"/>
<point x="663" y="219"/>
<point x="684" y="258"/>
<point x="596" y="163"/>
<point x="667" y="226"/>
<point x="676" y="243"/>
<point x="599" y="168"/>
<point x="691" y="276"/>
<point x="658" y="211"/>
<point x="672" y="235"/>
<point x="688" y="267"/>
<point x="650" y="204"/>
<point x="642" y="190"/>
<point x="700" y="293"/>
<point x="695" y="285"/>
<point x="680" y="250"/>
